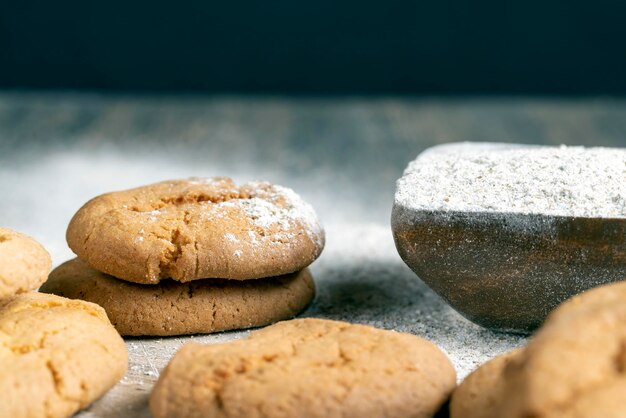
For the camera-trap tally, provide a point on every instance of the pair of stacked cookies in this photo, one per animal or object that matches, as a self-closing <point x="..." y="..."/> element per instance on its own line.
<point x="574" y="366"/>
<point x="192" y="256"/>
<point x="56" y="355"/>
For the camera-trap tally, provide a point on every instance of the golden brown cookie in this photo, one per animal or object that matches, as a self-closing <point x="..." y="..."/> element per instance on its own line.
<point x="197" y="228"/>
<point x="24" y="263"/>
<point x="604" y="402"/>
<point x="56" y="356"/>
<point x="172" y="308"/>
<point x="307" y="368"/>
<point x="479" y="395"/>
<point x="576" y="358"/>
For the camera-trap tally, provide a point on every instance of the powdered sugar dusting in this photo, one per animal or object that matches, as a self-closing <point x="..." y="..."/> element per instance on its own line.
<point x="231" y="237"/>
<point x="278" y="208"/>
<point x="302" y="212"/>
<point x="153" y="216"/>
<point x="557" y="181"/>
<point x="263" y="213"/>
<point x="204" y="180"/>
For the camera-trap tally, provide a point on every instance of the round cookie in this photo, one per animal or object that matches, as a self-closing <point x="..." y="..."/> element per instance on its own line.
<point x="578" y="355"/>
<point x="56" y="355"/>
<point x="24" y="263"/>
<point x="172" y="308"/>
<point x="604" y="402"/>
<point x="479" y="395"/>
<point x="307" y="368"/>
<point x="197" y="228"/>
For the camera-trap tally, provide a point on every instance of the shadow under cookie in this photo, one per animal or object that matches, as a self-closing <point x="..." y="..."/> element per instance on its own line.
<point x="172" y="308"/>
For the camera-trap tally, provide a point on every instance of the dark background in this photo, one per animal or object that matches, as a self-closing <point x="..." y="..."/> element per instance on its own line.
<point x="316" y="47"/>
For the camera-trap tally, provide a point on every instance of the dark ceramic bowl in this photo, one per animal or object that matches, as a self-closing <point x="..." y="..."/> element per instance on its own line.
<point x="507" y="271"/>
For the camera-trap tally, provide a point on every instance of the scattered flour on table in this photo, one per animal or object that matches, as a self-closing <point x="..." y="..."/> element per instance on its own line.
<point x="478" y="177"/>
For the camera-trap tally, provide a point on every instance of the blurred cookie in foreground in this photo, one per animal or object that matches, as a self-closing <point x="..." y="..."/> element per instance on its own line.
<point x="56" y="355"/>
<point x="479" y="395"/>
<point x="574" y="365"/>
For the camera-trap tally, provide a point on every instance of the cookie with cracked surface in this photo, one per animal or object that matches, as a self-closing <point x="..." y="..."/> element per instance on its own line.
<point x="56" y="355"/>
<point x="24" y="263"/>
<point x="575" y="359"/>
<point x="307" y="368"/>
<point x="479" y="395"/>
<point x="197" y="228"/>
<point x="172" y="308"/>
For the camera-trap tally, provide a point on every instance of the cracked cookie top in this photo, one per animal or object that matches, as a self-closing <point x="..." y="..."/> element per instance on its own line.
<point x="575" y="365"/>
<point x="307" y="368"/>
<point x="197" y="228"/>
<point x="24" y="263"/>
<point x="56" y="355"/>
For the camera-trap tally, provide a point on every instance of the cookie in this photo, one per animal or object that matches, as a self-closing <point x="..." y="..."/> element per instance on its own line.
<point x="479" y="395"/>
<point x="197" y="228"/>
<point x="24" y="263"/>
<point x="172" y="308"/>
<point x="307" y="368"/>
<point x="56" y="355"/>
<point x="604" y="402"/>
<point x="576" y="358"/>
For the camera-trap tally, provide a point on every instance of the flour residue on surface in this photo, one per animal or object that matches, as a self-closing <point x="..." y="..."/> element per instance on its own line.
<point x="275" y="208"/>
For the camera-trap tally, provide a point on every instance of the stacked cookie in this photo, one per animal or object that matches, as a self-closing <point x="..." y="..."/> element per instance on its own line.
<point x="192" y="256"/>
<point x="56" y="355"/>
<point x="574" y="366"/>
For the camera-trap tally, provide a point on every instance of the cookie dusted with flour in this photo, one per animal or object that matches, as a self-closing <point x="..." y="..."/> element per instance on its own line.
<point x="307" y="368"/>
<point x="24" y="263"/>
<point x="480" y="393"/>
<point x="172" y="308"/>
<point x="197" y="228"/>
<point x="574" y="365"/>
<point x="56" y="356"/>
